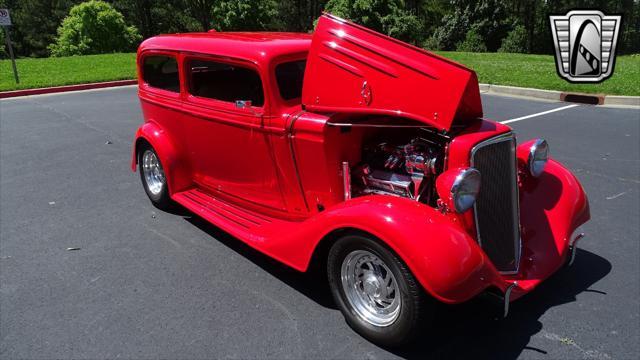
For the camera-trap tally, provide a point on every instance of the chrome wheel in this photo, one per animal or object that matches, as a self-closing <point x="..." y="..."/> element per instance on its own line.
<point x="153" y="173"/>
<point x="370" y="288"/>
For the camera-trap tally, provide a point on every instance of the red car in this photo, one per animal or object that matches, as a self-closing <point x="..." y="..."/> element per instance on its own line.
<point x="360" y="153"/>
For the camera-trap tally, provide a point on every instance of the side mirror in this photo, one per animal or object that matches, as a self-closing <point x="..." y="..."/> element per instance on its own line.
<point x="243" y="104"/>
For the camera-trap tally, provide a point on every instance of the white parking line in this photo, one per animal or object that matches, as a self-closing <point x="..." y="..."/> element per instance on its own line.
<point x="539" y="114"/>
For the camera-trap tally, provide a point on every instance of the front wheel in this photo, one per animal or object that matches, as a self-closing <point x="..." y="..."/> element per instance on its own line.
<point x="375" y="291"/>
<point x="153" y="177"/>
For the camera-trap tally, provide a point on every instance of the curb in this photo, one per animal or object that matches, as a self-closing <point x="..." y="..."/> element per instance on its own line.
<point x="622" y="100"/>
<point x="57" y="89"/>
<point x="520" y="91"/>
<point x="593" y="99"/>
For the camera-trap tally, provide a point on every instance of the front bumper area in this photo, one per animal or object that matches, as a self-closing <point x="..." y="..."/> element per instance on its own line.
<point x="552" y="207"/>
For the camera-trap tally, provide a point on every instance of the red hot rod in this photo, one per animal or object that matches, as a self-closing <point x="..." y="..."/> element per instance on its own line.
<point x="358" y="152"/>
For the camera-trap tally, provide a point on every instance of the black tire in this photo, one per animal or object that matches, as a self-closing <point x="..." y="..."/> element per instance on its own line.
<point x="159" y="199"/>
<point x="416" y="308"/>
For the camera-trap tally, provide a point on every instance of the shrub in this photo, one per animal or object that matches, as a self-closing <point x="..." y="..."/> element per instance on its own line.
<point x="472" y="43"/>
<point x="250" y="15"/>
<point x="432" y="44"/>
<point x="389" y="17"/>
<point x="515" y="42"/>
<point x="4" y="53"/>
<point x="94" y="27"/>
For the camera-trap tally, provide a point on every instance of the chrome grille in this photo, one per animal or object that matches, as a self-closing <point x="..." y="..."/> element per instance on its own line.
<point x="496" y="208"/>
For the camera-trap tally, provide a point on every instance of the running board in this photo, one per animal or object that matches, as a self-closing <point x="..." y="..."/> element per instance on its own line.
<point x="231" y="218"/>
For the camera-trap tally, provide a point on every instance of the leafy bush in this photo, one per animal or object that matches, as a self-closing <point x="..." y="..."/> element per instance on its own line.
<point x="386" y="16"/>
<point x="431" y="43"/>
<point x="4" y="53"/>
<point x="488" y="18"/>
<point x="516" y="41"/>
<point x="94" y="27"/>
<point x="250" y="15"/>
<point x="472" y="42"/>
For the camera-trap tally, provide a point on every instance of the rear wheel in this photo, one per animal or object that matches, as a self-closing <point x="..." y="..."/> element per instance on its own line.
<point x="153" y="178"/>
<point x="375" y="291"/>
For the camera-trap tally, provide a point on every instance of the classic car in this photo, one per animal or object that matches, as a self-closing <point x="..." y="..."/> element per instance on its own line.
<point x="357" y="153"/>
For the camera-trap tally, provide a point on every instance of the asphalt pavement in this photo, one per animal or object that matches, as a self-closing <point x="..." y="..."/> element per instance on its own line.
<point x="151" y="284"/>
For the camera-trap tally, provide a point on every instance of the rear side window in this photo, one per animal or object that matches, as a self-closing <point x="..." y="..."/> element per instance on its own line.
<point x="161" y="72"/>
<point x="225" y="82"/>
<point x="289" y="76"/>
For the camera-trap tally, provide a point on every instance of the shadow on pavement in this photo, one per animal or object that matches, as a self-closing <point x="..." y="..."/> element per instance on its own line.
<point x="312" y="286"/>
<point x="471" y="330"/>
<point x="475" y="330"/>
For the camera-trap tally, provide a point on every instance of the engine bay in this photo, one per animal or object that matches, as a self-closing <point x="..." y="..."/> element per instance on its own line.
<point x="401" y="163"/>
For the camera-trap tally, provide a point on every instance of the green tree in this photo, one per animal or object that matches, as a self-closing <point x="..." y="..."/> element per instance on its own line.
<point x="516" y="41"/>
<point x="35" y="23"/>
<point x="153" y="17"/>
<point x="201" y="10"/>
<point x="488" y="18"/>
<point x="472" y="42"/>
<point x="251" y="15"/>
<point x="94" y="27"/>
<point x="389" y="17"/>
<point x="300" y="15"/>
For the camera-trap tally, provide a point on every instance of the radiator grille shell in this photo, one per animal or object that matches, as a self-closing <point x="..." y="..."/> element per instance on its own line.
<point x="496" y="210"/>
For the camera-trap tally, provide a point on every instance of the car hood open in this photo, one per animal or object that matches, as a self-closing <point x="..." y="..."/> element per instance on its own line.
<point x="352" y="69"/>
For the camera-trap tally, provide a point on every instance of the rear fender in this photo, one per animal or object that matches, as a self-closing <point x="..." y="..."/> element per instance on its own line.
<point x="176" y="171"/>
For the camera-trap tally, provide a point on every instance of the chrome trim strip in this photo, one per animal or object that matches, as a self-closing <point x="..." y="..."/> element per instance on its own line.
<point x="346" y="180"/>
<point x="573" y="247"/>
<point x="509" y="136"/>
<point x="507" y="296"/>
<point x="290" y="137"/>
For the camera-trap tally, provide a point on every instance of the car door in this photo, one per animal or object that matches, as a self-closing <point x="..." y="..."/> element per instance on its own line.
<point x="228" y="144"/>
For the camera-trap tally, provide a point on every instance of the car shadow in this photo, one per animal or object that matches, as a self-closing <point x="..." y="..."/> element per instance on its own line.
<point x="312" y="285"/>
<point x="474" y="329"/>
<point x="477" y="330"/>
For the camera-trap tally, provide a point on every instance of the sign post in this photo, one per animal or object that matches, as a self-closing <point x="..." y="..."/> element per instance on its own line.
<point x="5" y="22"/>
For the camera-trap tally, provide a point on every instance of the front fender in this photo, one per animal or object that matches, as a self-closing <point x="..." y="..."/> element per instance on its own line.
<point x="442" y="256"/>
<point x="552" y="206"/>
<point x="176" y="171"/>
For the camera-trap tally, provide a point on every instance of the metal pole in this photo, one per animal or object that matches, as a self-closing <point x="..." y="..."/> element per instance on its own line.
<point x="13" y="59"/>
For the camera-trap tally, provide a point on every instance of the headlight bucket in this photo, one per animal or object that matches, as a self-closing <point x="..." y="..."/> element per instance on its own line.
<point x="538" y="157"/>
<point x="458" y="188"/>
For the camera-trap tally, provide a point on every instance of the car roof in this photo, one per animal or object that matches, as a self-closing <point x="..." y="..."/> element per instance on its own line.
<point x="258" y="47"/>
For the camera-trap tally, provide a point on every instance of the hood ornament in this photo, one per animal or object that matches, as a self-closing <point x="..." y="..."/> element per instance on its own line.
<point x="365" y="92"/>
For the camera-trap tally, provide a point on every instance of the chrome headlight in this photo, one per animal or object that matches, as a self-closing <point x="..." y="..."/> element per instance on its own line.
<point x="465" y="188"/>
<point x="538" y="156"/>
<point x="458" y="188"/>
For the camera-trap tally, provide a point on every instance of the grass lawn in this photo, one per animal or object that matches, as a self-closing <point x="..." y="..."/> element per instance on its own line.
<point x="535" y="71"/>
<point x="46" y="72"/>
<point x="539" y="71"/>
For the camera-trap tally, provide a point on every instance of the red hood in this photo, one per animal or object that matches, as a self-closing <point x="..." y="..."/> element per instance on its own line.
<point x="351" y="69"/>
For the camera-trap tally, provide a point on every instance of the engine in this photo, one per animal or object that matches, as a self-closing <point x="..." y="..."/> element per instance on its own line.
<point x="406" y="169"/>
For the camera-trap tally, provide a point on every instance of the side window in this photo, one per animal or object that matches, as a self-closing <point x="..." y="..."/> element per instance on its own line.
<point x="225" y="82"/>
<point x="289" y="76"/>
<point x="161" y="72"/>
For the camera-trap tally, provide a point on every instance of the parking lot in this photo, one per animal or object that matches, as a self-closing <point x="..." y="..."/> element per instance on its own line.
<point x="146" y="283"/>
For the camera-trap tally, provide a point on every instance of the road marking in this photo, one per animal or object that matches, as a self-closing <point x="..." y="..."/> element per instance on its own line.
<point x="616" y="196"/>
<point x="539" y="114"/>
